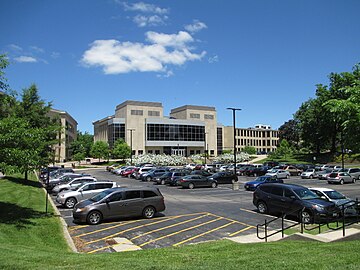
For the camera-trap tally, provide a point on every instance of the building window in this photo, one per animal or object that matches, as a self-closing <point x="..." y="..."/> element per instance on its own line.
<point x="195" y="115"/>
<point x="154" y="113"/>
<point x="140" y="152"/>
<point x="165" y="132"/>
<point x="136" y="112"/>
<point x="209" y="116"/>
<point x="115" y="132"/>
<point x="212" y="152"/>
<point x="157" y="152"/>
<point x="150" y="151"/>
<point x="192" y="152"/>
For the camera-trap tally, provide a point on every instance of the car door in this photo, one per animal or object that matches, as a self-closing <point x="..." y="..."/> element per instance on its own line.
<point x="277" y="200"/>
<point x="133" y="204"/>
<point x="112" y="206"/>
<point x="86" y="191"/>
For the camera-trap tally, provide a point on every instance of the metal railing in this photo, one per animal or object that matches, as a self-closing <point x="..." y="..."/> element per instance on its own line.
<point x="343" y="219"/>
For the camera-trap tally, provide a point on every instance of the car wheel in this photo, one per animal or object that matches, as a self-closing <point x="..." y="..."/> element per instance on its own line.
<point x="262" y="207"/>
<point x="306" y="217"/>
<point x="354" y="180"/>
<point x="213" y="184"/>
<point x="255" y="174"/>
<point x="299" y="173"/>
<point x="311" y="176"/>
<point x="287" y="176"/>
<point x="149" y="212"/>
<point x="191" y="185"/>
<point x="94" y="218"/>
<point x="341" y="181"/>
<point x="148" y="178"/>
<point x="162" y="182"/>
<point x="70" y="202"/>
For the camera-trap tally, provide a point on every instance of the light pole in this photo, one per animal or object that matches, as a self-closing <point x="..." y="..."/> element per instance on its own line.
<point x="131" y="149"/>
<point x="234" y="110"/>
<point x="205" y="148"/>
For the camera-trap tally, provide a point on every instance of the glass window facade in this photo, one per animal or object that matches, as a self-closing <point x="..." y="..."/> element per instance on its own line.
<point x="165" y="132"/>
<point x="195" y="115"/>
<point x="115" y="131"/>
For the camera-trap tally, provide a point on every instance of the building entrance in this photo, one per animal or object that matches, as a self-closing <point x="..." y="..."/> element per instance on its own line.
<point x="178" y="151"/>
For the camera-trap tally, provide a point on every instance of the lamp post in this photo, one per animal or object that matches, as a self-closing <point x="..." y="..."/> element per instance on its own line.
<point x="234" y="110"/>
<point x="131" y="148"/>
<point x="205" y="148"/>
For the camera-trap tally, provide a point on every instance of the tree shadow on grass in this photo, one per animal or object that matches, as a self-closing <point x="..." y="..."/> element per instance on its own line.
<point x="24" y="182"/>
<point x="21" y="217"/>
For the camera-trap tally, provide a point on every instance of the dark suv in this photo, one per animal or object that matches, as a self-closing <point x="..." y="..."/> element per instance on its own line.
<point x="293" y="200"/>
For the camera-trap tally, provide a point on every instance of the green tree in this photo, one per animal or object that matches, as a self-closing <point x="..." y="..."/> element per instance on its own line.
<point x="290" y="132"/>
<point x="100" y="150"/>
<point x="82" y="144"/>
<point x="121" y="149"/>
<point x="251" y="150"/>
<point x="79" y="156"/>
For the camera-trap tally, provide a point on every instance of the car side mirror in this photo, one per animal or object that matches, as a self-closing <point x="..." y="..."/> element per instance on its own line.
<point x="107" y="200"/>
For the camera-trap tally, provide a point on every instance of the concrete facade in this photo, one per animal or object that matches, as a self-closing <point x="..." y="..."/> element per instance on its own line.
<point x="66" y="136"/>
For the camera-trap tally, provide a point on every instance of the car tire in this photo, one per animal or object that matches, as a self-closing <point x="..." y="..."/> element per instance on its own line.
<point x="162" y="182"/>
<point x="94" y="218"/>
<point x="149" y="212"/>
<point x="341" y="181"/>
<point x="70" y="202"/>
<point x="311" y="176"/>
<point x="191" y="186"/>
<point x="213" y="184"/>
<point x="354" y="180"/>
<point x="148" y="178"/>
<point x="262" y="207"/>
<point x="305" y="217"/>
<point x="287" y="176"/>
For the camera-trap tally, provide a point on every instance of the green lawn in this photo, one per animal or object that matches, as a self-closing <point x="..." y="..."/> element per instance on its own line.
<point x="29" y="239"/>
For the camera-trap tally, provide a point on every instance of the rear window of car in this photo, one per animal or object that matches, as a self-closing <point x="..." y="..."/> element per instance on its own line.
<point x="333" y="175"/>
<point x="265" y="188"/>
<point x="278" y="191"/>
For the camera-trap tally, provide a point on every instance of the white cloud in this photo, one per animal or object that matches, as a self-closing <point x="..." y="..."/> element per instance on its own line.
<point x="153" y="20"/>
<point x="37" y="49"/>
<point x="117" y="57"/>
<point x="213" y="59"/>
<point x="195" y="27"/>
<point x="25" y="59"/>
<point x="145" y="8"/>
<point x="55" y="55"/>
<point x="15" y="47"/>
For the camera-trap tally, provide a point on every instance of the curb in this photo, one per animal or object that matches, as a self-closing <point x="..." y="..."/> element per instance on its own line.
<point x="64" y="226"/>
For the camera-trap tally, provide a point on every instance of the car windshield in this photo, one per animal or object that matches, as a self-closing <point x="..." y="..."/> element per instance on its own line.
<point x="98" y="197"/>
<point x="334" y="195"/>
<point x="309" y="170"/>
<point x="305" y="194"/>
<point x="261" y="179"/>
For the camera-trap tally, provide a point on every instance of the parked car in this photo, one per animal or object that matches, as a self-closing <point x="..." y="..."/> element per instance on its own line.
<point x="278" y="173"/>
<point x="324" y="174"/>
<point x="224" y="177"/>
<point x="190" y="166"/>
<point x="292" y="170"/>
<point x="109" y="168"/>
<point x="67" y="177"/>
<point x="339" y="199"/>
<point x="309" y="174"/>
<point x="340" y="178"/>
<point x="59" y="172"/>
<point x="137" y="174"/>
<point x="271" y="164"/>
<point x="69" y="198"/>
<point x="294" y="200"/>
<point x="150" y="175"/>
<point x="170" y="177"/>
<point x="118" y="203"/>
<point x="354" y="172"/>
<point x="252" y="185"/>
<point x="44" y="172"/>
<point x="76" y="182"/>
<point x="257" y="171"/>
<point x="202" y="172"/>
<point x="193" y="181"/>
<point x="128" y="171"/>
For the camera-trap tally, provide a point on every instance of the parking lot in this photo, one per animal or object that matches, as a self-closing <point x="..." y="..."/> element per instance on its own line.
<point x="191" y="216"/>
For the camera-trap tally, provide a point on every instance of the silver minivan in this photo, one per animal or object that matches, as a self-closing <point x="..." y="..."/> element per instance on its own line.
<point x="69" y="198"/>
<point x="119" y="202"/>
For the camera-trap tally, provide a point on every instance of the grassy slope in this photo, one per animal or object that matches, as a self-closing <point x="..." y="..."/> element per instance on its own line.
<point x="31" y="240"/>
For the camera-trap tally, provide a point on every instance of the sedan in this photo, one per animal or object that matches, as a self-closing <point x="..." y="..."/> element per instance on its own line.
<point x="280" y="174"/>
<point x="252" y="185"/>
<point x="192" y="181"/>
<point x="340" y="178"/>
<point x="224" y="177"/>
<point x="309" y="174"/>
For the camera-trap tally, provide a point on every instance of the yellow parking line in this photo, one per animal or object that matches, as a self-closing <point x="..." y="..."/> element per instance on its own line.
<point x="229" y="219"/>
<point x="99" y="249"/>
<point x="243" y="230"/>
<point x="107" y="228"/>
<point x="184" y="230"/>
<point x="205" y="233"/>
<point x="170" y="226"/>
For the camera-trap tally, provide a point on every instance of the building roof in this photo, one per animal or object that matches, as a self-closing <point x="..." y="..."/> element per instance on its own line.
<point x="139" y="103"/>
<point x="193" y="107"/>
<point x="63" y="113"/>
<point x="104" y="119"/>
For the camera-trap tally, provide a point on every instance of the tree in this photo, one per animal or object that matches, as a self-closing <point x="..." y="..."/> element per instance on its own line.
<point x="100" y="150"/>
<point x="251" y="150"/>
<point x="82" y="144"/>
<point x="290" y="132"/>
<point x="79" y="156"/>
<point x="121" y="149"/>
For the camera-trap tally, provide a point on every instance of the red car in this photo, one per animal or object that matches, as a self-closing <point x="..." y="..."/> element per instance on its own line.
<point x="127" y="172"/>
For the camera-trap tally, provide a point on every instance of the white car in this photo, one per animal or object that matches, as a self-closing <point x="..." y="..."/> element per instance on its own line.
<point x="309" y="174"/>
<point x="76" y="182"/>
<point x="69" y="198"/>
<point x="279" y="174"/>
<point x="338" y="198"/>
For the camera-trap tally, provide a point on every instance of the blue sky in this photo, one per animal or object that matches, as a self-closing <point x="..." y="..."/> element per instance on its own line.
<point x="263" y="56"/>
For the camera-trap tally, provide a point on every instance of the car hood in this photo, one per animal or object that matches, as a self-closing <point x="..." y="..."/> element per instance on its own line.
<point x="253" y="183"/>
<point x="342" y="201"/>
<point x="320" y="202"/>
<point x="84" y="203"/>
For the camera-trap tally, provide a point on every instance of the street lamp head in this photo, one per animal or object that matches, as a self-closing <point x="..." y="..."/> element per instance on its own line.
<point x="234" y="109"/>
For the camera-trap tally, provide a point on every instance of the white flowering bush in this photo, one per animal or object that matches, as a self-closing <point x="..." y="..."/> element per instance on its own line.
<point x="228" y="158"/>
<point x="159" y="160"/>
<point x="196" y="158"/>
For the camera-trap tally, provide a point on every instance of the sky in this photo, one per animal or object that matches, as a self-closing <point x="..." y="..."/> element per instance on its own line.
<point x="262" y="56"/>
